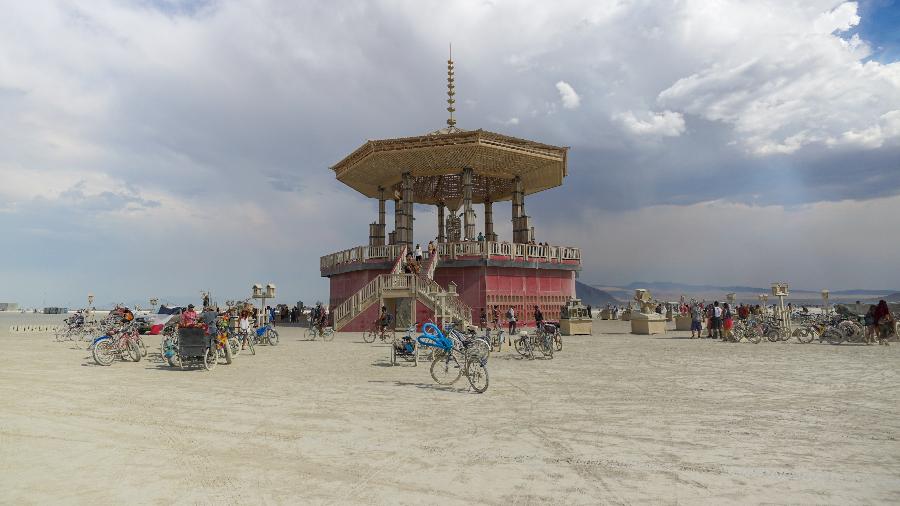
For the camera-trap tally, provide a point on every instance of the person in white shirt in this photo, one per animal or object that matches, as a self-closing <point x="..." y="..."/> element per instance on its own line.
<point x="244" y="324"/>
<point x="418" y="252"/>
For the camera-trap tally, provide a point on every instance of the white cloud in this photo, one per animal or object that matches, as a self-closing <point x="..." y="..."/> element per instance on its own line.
<point x="570" y="99"/>
<point x="790" y="83"/>
<point x="666" y="123"/>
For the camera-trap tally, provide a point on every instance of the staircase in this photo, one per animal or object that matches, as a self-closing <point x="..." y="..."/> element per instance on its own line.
<point x="396" y="284"/>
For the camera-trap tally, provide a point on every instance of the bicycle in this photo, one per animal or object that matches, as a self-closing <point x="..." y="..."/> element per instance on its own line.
<point x="446" y="368"/>
<point x="379" y="331"/>
<point x="268" y="333"/>
<point x="327" y="333"/>
<point x="122" y="344"/>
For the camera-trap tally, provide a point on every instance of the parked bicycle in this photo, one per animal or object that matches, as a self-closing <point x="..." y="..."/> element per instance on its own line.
<point x="452" y="362"/>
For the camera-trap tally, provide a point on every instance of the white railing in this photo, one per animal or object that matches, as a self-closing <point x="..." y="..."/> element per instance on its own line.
<point x="432" y="266"/>
<point x="398" y="262"/>
<point x="484" y="249"/>
<point x="423" y="288"/>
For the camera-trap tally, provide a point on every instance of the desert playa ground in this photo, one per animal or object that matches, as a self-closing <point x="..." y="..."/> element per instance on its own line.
<point x="612" y="419"/>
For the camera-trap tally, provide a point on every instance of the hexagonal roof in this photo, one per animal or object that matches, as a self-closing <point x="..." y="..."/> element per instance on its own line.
<point x="436" y="162"/>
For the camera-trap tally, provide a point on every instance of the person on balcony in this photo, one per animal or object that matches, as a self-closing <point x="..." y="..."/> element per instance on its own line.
<point x="480" y="237"/>
<point x="418" y="252"/>
<point x="432" y="249"/>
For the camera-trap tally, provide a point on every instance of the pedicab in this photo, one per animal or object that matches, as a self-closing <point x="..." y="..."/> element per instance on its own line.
<point x="195" y="346"/>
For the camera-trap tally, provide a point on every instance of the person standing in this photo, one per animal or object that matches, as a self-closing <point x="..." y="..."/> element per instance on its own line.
<point x="696" y="320"/>
<point x="538" y="318"/>
<point x="727" y="320"/>
<point x="884" y="322"/>
<point x="511" y="318"/>
<point x="432" y="249"/>
<point x="717" y="321"/>
<point x="418" y="252"/>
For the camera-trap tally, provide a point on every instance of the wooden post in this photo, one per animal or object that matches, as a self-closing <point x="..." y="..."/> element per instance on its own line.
<point x="407" y="209"/>
<point x="518" y="210"/>
<point x="489" y="234"/>
<point x="441" y="237"/>
<point x="398" y="223"/>
<point x="469" y="213"/>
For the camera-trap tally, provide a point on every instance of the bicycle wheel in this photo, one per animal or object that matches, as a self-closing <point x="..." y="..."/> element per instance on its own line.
<point x="210" y="358"/>
<point x="445" y="370"/>
<point x="370" y="336"/>
<point x="328" y="334"/>
<point x="477" y="374"/>
<point x="310" y="334"/>
<point x="805" y="334"/>
<point x="140" y="342"/>
<point x="134" y="351"/>
<point x="229" y="358"/>
<point x="272" y="337"/>
<point x="753" y="334"/>
<point x="521" y="347"/>
<point x="557" y="340"/>
<point x="104" y="352"/>
<point x="833" y="336"/>
<point x="545" y="345"/>
<point x="250" y="347"/>
<point x="393" y="355"/>
<point x="235" y="344"/>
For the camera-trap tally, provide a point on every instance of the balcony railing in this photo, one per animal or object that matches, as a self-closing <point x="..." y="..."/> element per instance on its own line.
<point x="453" y="251"/>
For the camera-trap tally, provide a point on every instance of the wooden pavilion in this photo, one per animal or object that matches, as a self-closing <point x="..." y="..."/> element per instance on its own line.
<point x="454" y="170"/>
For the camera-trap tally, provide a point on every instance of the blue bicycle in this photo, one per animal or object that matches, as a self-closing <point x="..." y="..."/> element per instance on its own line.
<point x="268" y="334"/>
<point x="446" y="367"/>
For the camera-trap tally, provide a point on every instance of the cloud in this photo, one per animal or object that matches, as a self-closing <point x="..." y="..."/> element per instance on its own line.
<point x="791" y="84"/>
<point x="666" y="123"/>
<point x="570" y="99"/>
<point x="180" y="119"/>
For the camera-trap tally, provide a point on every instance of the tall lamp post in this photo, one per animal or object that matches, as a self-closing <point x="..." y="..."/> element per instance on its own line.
<point x="781" y="291"/>
<point x="260" y="293"/>
<point x="90" y="307"/>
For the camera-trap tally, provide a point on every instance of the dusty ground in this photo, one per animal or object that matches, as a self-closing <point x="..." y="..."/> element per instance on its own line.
<point x="614" y="418"/>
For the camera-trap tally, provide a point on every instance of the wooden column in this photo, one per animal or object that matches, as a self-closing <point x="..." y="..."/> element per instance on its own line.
<point x="518" y="208"/>
<point x="469" y="213"/>
<point x="398" y="212"/>
<point x="407" y="209"/>
<point x="489" y="234"/>
<point x="441" y="237"/>
<point x="376" y="230"/>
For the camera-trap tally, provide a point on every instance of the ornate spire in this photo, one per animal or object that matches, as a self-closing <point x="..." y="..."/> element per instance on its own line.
<point x="451" y="123"/>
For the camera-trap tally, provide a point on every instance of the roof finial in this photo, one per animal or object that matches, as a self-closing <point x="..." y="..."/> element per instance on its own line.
<point x="451" y="123"/>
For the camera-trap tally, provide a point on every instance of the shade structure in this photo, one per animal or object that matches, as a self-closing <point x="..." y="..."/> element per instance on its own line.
<point x="436" y="161"/>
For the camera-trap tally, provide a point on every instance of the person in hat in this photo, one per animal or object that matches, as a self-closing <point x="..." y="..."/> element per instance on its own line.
<point x="189" y="317"/>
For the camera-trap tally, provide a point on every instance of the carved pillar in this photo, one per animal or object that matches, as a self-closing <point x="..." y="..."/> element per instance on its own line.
<point x="376" y="230"/>
<point x="469" y="213"/>
<point x="489" y="234"/>
<point x="518" y="205"/>
<point x="441" y="237"/>
<point x="407" y="209"/>
<point x="398" y="210"/>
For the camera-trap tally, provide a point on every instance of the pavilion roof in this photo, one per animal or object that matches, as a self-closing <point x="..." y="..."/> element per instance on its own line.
<point x="435" y="162"/>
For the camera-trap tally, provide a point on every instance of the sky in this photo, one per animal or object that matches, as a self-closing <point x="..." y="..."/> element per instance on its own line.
<point x="159" y="148"/>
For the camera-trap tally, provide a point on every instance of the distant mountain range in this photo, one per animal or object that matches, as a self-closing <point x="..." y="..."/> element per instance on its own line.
<point x="666" y="290"/>
<point x="669" y="286"/>
<point x="591" y="296"/>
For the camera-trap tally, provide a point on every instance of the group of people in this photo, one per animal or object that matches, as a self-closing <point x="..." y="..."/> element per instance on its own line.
<point x="719" y="319"/>
<point x="208" y="320"/>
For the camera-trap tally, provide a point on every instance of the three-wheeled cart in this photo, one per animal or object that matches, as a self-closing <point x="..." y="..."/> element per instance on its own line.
<point x="194" y="348"/>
